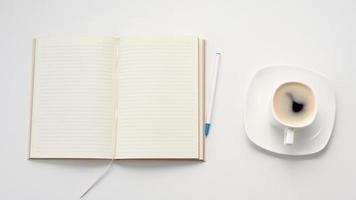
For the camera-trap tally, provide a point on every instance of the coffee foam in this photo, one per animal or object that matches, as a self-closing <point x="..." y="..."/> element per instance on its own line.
<point x="294" y="104"/>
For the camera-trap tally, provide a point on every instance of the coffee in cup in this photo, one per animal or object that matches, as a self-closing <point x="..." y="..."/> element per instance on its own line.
<point x="293" y="106"/>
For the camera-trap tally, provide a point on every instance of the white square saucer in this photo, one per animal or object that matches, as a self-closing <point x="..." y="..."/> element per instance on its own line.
<point x="258" y="120"/>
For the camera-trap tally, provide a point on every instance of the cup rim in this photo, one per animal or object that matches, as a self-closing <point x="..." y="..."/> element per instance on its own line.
<point x="315" y="107"/>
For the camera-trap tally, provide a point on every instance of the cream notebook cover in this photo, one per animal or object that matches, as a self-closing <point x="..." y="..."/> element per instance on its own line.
<point x="118" y="98"/>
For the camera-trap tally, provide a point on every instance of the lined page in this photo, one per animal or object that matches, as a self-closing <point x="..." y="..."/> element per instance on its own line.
<point x="158" y="98"/>
<point x="73" y="98"/>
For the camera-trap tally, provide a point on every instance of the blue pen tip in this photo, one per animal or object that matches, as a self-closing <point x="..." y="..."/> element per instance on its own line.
<point x="206" y="129"/>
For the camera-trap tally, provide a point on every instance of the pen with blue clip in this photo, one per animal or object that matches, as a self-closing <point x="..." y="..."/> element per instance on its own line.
<point x="212" y="94"/>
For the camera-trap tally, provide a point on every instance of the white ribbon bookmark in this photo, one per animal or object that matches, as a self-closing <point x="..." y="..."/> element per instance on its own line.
<point x="115" y="120"/>
<point x="97" y="180"/>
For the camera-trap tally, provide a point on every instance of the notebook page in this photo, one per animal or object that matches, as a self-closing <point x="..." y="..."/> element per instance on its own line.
<point x="73" y="101"/>
<point x="158" y="97"/>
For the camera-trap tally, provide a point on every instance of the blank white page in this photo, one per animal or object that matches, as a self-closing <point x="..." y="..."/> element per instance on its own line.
<point x="73" y="98"/>
<point x="158" y="105"/>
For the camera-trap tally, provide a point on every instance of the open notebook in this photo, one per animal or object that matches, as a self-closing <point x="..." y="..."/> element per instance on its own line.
<point x="121" y="98"/>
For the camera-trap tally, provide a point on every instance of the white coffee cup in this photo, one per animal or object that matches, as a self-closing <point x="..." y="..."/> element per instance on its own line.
<point x="294" y="106"/>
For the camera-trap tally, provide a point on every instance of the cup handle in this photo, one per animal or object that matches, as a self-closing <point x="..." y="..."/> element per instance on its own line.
<point x="289" y="136"/>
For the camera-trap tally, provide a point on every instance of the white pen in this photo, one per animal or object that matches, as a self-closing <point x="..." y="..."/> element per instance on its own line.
<point x="212" y="93"/>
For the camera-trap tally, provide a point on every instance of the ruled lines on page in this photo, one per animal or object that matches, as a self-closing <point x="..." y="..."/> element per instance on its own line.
<point x="158" y="97"/>
<point x="73" y="101"/>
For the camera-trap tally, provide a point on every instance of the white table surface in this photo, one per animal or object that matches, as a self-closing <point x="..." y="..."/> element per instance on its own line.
<point x="317" y="34"/>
